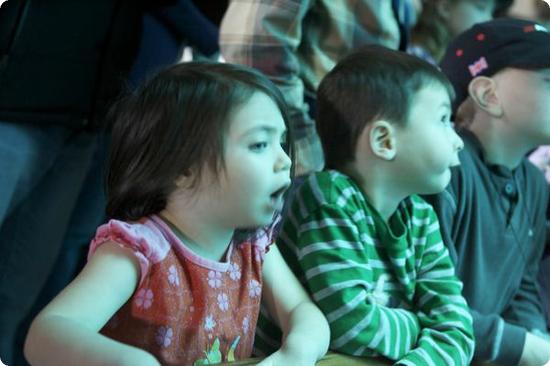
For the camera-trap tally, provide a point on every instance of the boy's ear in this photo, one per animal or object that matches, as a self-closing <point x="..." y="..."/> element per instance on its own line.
<point x="382" y="140"/>
<point x="482" y="90"/>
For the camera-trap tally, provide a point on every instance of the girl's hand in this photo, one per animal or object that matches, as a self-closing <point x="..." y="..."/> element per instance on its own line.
<point x="305" y="328"/>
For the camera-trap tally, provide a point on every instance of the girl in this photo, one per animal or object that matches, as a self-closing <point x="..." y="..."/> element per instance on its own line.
<point x="196" y="154"/>
<point x="442" y="20"/>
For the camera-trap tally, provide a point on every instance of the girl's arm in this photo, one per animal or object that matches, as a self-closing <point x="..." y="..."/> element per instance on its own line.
<point x="66" y="331"/>
<point x="306" y="333"/>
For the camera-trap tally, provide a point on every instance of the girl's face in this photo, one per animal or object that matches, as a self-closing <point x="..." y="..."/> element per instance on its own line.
<point x="257" y="169"/>
<point x="463" y="14"/>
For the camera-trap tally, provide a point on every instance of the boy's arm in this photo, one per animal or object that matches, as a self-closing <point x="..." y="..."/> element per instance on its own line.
<point x="305" y="330"/>
<point x="447" y="332"/>
<point x="337" y="270"/>
<point x="496" y="340"/>
<point x="66" y="331"/>
<point x="526" y="308"/>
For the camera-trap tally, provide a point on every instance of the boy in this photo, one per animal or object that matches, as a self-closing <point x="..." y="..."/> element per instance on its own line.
<point x="367" y="248"/>
<point x="493" y="212"/>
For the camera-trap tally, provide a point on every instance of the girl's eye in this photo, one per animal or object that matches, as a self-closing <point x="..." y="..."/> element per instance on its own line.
<point x="285" y="146"/>
<point x="258" y="146"/>
<point x="283" y="142"/>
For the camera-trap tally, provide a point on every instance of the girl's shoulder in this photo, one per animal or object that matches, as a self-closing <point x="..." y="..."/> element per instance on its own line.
<point x="143" y="237"/>
<point x="143" y="234"/>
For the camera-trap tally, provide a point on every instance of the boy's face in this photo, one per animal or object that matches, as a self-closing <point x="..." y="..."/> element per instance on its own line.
<point x="427" y="145"/>
<point x="525" y="99"/>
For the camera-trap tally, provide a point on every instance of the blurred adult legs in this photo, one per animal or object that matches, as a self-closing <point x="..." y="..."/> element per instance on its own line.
<point x="42" y="171"/>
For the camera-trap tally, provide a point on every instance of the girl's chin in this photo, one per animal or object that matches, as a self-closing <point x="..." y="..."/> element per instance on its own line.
<point x="260" y="221"/>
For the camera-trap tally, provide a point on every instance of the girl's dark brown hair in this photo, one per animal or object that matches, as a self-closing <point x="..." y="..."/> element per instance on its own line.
<point x="173" y="125"/>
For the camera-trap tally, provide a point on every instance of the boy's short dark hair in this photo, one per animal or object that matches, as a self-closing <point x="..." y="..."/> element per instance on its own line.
<point x="371" y="83"/>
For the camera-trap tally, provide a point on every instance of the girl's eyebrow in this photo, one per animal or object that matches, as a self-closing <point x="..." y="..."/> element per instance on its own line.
<point x="264" y="128"/>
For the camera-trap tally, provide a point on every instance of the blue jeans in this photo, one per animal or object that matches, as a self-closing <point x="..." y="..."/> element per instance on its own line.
<point x="42" y="169"/>
<point x="88" y="214"/>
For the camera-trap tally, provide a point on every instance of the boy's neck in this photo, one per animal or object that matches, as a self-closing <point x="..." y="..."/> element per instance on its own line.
<point x="500" y="147"/>
<point x="380" y="191"/>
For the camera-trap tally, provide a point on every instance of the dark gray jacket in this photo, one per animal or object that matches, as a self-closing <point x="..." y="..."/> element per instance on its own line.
<point x="493" y="222"/>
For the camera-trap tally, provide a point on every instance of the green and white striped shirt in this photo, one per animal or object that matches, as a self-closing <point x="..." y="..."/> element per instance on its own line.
<point x="386" y="289"/>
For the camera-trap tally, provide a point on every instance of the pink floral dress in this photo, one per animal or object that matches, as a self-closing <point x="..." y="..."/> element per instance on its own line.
<point x="187" y="310"/>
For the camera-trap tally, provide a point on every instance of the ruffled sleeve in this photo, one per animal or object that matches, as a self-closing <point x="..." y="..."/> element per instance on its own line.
<point x="264" y="237"/>
<point x="143" y="238"/>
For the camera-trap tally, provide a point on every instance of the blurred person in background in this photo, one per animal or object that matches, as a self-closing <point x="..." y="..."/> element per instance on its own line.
<point x="295" y="43"/>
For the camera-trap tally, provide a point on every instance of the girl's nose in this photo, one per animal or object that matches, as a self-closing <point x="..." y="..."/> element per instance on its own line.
<point x="283" y="161"/>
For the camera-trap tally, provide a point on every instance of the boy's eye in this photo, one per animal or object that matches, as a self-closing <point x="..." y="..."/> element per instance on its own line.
<point x="450" y="124"/>
<point x="447" y="122"/>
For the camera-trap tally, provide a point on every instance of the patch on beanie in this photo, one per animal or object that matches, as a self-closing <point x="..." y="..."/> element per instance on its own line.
<point x="477" y="67"/>
<point x="535" y="28"/>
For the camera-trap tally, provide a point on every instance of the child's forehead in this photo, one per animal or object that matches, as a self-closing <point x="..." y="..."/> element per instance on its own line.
<point x="432" y="95"/>
<point x="259" y="113"/>
<point x="513" y="73"/>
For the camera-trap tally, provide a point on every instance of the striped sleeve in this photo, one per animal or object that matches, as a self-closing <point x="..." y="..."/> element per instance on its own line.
<point x="447" y="330"/>
<point x="338" y="272"/>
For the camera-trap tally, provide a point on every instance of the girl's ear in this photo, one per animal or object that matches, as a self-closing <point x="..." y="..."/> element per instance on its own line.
<point x="184" y="181"/>
<point x="483" y="91"/>
<point x="382" y="140"/>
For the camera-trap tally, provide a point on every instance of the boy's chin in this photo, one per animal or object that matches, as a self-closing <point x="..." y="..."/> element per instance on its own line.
<point x="439" y="185"/>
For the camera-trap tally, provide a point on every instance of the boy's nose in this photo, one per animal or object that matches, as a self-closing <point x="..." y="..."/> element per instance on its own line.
<point x="458" y="143"/>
